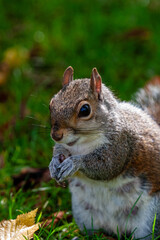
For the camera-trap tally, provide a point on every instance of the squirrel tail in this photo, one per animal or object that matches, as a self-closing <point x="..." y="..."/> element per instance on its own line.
<point x="148" y="98"/>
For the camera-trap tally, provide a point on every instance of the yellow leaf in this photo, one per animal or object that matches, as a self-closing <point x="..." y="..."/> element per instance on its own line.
<point x="23" y="227"/>
<point x="15" y="56"/>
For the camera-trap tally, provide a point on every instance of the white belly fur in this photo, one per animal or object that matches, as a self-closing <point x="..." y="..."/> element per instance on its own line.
<point x="106" y="205"/>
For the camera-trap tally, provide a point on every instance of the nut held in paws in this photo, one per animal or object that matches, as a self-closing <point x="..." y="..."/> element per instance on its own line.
<point x="61" y="158"/>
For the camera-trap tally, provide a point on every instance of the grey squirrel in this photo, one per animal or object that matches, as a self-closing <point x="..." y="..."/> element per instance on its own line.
<point x="110" y="151"/>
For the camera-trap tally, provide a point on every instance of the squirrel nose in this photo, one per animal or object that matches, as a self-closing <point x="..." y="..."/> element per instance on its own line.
<point x="57" y="137"/>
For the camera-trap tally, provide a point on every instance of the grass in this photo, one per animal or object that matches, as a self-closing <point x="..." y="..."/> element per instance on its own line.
<point x="38" y="40"/>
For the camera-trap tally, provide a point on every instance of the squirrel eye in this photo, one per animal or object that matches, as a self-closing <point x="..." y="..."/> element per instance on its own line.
<point x="84" y="111"/>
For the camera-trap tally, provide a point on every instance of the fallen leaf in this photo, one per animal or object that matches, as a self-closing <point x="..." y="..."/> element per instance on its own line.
<point x="15" y="56"/>
<point x="58" y="216"/>
<point x="137" y="33"/>
<point x="20" y="228"/>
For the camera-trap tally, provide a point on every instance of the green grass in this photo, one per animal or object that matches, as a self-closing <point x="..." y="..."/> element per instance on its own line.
<point x="120" y="38"/>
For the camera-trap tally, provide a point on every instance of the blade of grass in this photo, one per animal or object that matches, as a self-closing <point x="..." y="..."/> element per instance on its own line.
<point x="153" y="227"/>
<point x="130" y="214"/>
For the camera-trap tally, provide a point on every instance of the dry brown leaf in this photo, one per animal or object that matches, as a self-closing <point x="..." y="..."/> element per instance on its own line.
<point x="20" y="228"/>
<point x="58" y="216"/>
<point x="137" y="33"/>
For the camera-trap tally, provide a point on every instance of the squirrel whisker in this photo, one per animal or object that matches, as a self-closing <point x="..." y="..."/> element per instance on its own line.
<point x="40" y="125"/>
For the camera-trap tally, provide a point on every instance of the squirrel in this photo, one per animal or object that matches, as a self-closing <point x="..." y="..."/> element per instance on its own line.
<point x="110" y="152"/>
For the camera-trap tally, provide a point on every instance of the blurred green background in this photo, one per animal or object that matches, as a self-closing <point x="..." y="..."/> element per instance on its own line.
<point x="38" y="41"/>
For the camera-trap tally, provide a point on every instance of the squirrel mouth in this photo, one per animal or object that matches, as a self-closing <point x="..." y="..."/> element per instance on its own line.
<point x="72" y="143"/>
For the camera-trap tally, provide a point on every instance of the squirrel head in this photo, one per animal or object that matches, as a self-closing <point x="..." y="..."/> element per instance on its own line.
<point x="77" y="109"/>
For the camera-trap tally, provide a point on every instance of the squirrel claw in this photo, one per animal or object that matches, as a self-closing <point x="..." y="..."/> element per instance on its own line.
<point x="53" y="166"/>
<point x="66" y="169"/>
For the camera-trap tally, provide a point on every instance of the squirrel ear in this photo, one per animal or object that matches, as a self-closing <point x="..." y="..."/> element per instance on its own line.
<point x="96" y="83"/>
<point x="67" y="76"/>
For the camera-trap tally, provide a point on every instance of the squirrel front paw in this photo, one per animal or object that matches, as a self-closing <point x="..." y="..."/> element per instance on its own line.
<point x="66" y="169"/>
<point x="55" y="162"/>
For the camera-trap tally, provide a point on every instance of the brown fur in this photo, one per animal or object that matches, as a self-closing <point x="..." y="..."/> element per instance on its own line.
<point x="155" y="81"/>
<point x="145" y="160"/>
